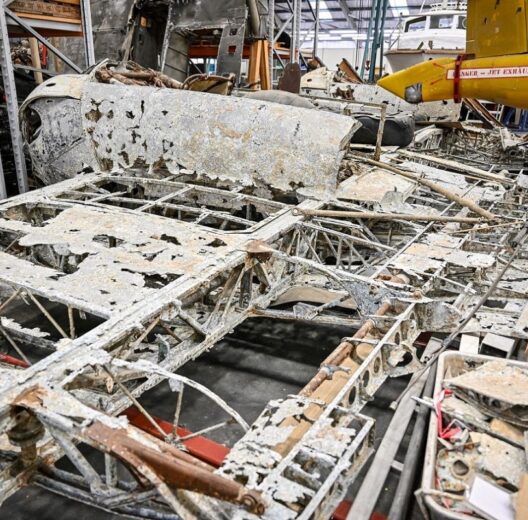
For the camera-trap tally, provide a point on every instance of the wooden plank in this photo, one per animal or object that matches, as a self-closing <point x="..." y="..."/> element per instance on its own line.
<point x="40" y="7"/>
<point x="265" y="80"/>
<point x="16" y="32"/>
<point x="57" y="19"/>
<point x="35" y="60"/>
<point x="254" y="64"/>
<point x="522" y="499"/>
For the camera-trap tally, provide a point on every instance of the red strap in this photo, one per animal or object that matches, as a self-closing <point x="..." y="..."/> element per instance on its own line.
<point x="451" y="430"/>
<point x="456" y="80"/>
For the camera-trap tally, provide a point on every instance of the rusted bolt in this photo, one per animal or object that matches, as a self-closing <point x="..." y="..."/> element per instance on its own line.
<point x="253" y="503"/>
<point x="27" y="431"/>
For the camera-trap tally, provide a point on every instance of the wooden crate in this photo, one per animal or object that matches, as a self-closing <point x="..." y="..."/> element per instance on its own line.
<point x="66" y="10"/>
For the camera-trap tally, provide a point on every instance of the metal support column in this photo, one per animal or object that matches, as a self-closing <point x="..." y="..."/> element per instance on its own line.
<point x="374" y="50"/>
<point x="271" y="37"/>
<point x="367" y="40"/>
<point x="8" y="76"/>
<point x="317" y="27"/>
<point x="381" y="39"/>
<point x="3" y="189"/>
<point x="167" y="38"/>
<point x="298" y="20"/>
<point x="378" y="37"/>
<point x="293" y="43"/>
<point x="86" y="16"/>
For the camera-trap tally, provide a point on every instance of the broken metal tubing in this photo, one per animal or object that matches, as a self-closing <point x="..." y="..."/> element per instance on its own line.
<point x="342" y="352"/>
<point x="176" y="468"/>
<point x="371" y="215"/>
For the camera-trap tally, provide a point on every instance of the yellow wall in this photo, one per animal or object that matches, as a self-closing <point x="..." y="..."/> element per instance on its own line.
<point x="497" y="27"/>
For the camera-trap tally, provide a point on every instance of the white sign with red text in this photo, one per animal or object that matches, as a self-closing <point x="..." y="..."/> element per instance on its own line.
<point x="492" y="73"/>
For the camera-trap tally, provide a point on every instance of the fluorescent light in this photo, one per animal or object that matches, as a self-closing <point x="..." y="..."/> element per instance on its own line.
<point x="324" y="11"/>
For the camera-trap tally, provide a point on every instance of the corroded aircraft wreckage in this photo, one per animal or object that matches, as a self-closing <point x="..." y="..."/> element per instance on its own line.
<point x="173" y="216"/>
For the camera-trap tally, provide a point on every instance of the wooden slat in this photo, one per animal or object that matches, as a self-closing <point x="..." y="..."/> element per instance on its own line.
<point x="58" y="19"/>
<point x="265" y="80"/>
<point x="254" y="63"/>
<point x="17" y="32"/>
<point x="42" y="8"/>
<point x="522" y="499"/>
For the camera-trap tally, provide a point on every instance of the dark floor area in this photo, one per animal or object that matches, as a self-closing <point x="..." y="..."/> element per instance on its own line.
<point x="262" y="360"/>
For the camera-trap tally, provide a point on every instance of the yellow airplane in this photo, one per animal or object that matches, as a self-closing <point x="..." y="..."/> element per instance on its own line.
<point x="494" y="67"/>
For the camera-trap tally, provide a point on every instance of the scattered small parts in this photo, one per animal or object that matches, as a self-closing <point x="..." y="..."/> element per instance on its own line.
<point x="476" y="459"/>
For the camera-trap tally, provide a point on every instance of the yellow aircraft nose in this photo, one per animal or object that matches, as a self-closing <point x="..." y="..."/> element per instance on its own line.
<point x="421" y="82"/>
<point x="404" y="85"/>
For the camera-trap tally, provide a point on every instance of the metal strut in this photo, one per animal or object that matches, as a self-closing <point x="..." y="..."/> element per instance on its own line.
<point x="8" y="76"/>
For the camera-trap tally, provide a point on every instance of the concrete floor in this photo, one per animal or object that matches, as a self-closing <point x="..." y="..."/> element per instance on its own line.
<point x="262" y="360"/>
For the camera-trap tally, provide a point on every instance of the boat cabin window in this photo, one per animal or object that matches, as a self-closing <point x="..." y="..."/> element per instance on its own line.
<point x="462" y="22"/>
<point x="441" y="22"/>
<point x="416" y="24"/>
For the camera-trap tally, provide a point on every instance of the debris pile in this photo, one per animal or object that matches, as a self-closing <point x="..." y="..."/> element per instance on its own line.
<point x="131" y="73"/>
<point x="175" y="207"/>
<point x="477" y="437"/>
<point x="173" y="216"/>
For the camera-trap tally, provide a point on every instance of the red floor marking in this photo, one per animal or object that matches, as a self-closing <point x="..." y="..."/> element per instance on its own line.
<point x="344" y="507"/>
<point x="200" y="447"/>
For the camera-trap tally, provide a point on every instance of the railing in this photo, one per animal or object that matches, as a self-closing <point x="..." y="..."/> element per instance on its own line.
<point x="448" y="5"/>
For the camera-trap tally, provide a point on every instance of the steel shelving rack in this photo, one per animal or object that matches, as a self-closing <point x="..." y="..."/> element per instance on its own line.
<point x="40" y="26"/>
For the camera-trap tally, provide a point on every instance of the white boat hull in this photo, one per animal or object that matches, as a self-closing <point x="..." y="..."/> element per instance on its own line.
<point x="439" y="33"/>
<point x="402" y="59"/>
